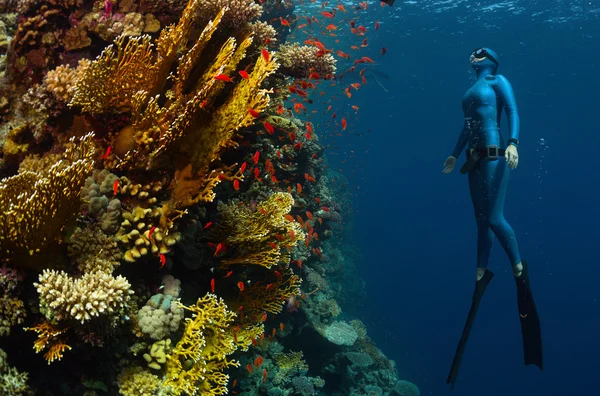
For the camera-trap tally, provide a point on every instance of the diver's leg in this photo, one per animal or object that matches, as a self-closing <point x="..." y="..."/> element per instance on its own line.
<point x="495" y="183"/>
<point x="484" y="276"/>
<point x="484" y="232"/>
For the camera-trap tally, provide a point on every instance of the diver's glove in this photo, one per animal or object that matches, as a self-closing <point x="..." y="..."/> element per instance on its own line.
<point x="512" y="156"/>
<point x="449" y="164"/>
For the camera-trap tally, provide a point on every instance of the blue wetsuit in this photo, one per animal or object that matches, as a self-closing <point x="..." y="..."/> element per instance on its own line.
<point x="482" y="105"/>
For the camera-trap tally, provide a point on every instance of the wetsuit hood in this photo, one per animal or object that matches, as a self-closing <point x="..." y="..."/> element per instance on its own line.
<point x="484" y="58"/>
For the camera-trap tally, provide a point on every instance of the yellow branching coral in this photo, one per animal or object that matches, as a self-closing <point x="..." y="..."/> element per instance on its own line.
<point x="196" y="364"/>
<point x="135" y="381"/>
<point x="263" y="236"/>
<point x="35" y="208"/>
<point x="49" y="336"/>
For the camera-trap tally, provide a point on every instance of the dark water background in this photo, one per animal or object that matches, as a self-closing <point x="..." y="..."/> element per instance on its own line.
<point x="415" y="226"/>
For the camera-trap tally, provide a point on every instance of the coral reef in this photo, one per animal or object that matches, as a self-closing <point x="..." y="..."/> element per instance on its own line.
<point x="156" y="151"/>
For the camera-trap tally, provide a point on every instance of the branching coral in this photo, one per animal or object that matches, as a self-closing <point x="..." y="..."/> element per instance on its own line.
<point x="92" y="250"/>
<point x="92" y="295"/>
<point x="196" y="364"/>
<point x="261" y="236"/>
<point x="301" y="60"/>
<point x="12" y="382"/>
<point x="35" y="209"/>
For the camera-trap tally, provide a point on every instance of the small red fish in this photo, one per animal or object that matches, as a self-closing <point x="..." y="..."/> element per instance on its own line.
<point x="249" y="368"/>
<point x="107" y="153"/>
<point x="243" y="167"/>
<point x="115" y="187"/>
<point x="212" y="285"/>
<point x="163" y="260"/>
<point x="258" y="361"/>
<point x="299" y="188"/>
<point x="273" y="245"/>
<point x="244" y="74"/>
<point x="265" y="375"/>
<point x="254" y="113"/>
<point x="219" y="248"/>
<point x="325" y="208"/>
<point x="240" y="286"/>
<point x="223" y="77"/>
<point x="228" y="274"/>
<point x="151" y="232"/>
<point x="256" y="173"/>
<point x="327" y="14"/>
<point x="207" y="225"/>
<point x="256" y="156"/>
<point x="265" y="54"/>
<point x="269" y="127"/>
<point x="236" y="184"/>
<point x="376" y="25"/>
<point x="344" y="124"/>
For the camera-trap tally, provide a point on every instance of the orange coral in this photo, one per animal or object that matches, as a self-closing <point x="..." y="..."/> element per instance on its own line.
<point x="48" y="336"/>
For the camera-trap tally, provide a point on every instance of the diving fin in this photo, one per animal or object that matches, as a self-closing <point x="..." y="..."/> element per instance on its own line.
<point x="480" y="287"/>
<point x="530" y="322"/>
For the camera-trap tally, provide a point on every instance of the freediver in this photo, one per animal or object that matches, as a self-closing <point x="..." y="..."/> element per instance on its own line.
<point x="488" y="164"/>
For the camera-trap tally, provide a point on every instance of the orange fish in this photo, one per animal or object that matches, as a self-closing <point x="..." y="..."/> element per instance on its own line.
<point x="243" y="167"/>
<point x="207" y="225"/>
<point x="265" y="375"/>
<point x="236" y="184"/>
<point x="269" y="127"/>
<point x="309" y="215"/>
<point x="344" y="124"/>
<point x="115" y="187"/>
<point x="240" y="286"/>
<point x="219" y="248"/>
<point x="299" y="188"/>
<point x="249" y="368"/>
<point x="107" y="153"/>
<point x="292" y="234"/>
<point x="256" y="157"/>
<point x="223" y="77"/>
<point x="256" y="173"/>
<point x="258" y="361"/>
<point x="228" y="274"/>
<point x="212" y="285"/>
<point x="281" y="326"/>
<point x="376" y="25"/>
<point x="254" y="113"/>
<point x="151" y="232"/>
<point x="299" y="106"/>
<point x="327" y="14"/>
<point x="273" y="245"/>
<point x="163" y="260"/>
<point x="244" y="74"/>
<point x="265" y="54"/>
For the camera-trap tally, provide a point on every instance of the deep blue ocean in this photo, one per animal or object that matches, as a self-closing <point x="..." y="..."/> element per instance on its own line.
<point x="415" y="226"/>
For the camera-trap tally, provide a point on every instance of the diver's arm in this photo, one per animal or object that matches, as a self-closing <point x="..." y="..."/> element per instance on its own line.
<point x="506" y="94"/>
<point x="461" y="142"/>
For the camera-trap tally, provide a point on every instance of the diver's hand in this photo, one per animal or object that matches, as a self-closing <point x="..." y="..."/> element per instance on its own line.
<point x="512" y="156"/>
<point x="449" y="164"/>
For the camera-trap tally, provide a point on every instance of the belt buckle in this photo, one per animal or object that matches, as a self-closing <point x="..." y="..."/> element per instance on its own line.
<point x="492" y="152"/>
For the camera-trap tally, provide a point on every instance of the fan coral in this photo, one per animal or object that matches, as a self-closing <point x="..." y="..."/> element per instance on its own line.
<point x="35" y="209"/>
<point x="263" y="236"/>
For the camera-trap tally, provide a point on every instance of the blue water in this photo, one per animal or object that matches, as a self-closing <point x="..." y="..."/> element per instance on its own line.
<point x="415" y="226"/>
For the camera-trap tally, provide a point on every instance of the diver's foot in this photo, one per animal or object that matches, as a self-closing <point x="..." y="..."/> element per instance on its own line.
<point x="480" y="273"/>
<point x="517" y="270"/>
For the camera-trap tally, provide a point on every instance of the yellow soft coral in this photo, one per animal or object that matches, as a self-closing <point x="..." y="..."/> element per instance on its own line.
<point x="36" y="208"/>
<point x="196" y="364"/>
<point x="263" y="236"/>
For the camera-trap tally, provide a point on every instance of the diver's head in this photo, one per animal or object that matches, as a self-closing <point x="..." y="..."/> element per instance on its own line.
<point x="484" y="58"/>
